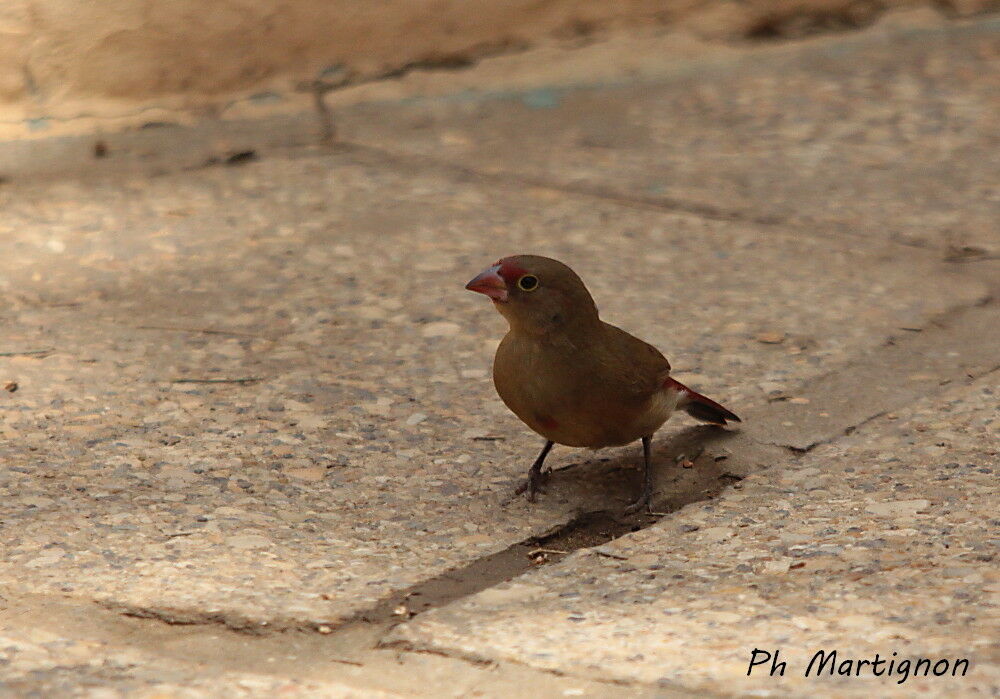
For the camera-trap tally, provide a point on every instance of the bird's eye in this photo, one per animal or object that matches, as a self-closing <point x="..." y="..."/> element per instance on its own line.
<point x="528" y="282"/>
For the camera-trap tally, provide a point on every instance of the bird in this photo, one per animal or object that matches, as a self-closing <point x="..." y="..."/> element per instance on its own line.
<point x="574" y="379"/>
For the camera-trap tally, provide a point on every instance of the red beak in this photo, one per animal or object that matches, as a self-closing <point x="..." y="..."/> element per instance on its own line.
<point x="490" y="282"/>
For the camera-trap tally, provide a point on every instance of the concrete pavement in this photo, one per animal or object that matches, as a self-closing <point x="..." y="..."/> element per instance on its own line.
<point x="253" y="427"/>
<point x="882" y="542"/>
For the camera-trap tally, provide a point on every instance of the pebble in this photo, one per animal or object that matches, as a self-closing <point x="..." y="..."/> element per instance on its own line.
<point x="416" y="419"/>
<point x="442" y="328"/>
<point x="248" y="541"/>
<point x="897" y="507"/>
<point x="713" y="534"/>
<point x="313" y="474"/>
<point x="381" y="407"/>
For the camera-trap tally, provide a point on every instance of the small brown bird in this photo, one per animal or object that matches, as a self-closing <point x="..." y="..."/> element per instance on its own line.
<point x="573" y="378"/>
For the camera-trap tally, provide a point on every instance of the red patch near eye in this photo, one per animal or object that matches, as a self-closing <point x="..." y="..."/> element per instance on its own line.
<point x="510" y="271"/>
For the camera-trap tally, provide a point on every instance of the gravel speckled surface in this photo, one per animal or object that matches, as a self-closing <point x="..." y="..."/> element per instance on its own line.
<point x="880" y="133"/>
<point x="882" y="542"/>
<point x="43" y="663"/>
<point x="347" y="463"/>
<point x="258" y="397"/>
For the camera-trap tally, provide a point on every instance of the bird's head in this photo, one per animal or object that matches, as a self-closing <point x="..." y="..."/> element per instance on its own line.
<point x="536" y="294"/>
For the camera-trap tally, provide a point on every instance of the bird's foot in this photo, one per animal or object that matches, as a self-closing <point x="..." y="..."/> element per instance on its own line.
<point x="533" y="484"/>
<point x="643" y="503"/>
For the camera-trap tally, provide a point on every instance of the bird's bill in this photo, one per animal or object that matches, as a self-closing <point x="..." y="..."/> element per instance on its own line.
<point x="489" y="282"/>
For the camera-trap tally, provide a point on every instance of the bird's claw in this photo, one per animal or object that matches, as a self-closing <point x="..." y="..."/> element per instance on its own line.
<point x="643" y="503"/>
<point x="533" y="484"/>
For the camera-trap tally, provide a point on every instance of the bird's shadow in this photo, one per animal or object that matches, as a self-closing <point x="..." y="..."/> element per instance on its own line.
<point x="688" y="466"/>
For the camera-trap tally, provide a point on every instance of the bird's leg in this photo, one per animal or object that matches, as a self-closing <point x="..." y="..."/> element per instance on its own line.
<point x="646" y="494"/>
<point x="535" y="474"/>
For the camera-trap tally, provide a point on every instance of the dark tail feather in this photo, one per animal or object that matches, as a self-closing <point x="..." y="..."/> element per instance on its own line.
<point x="700" y="407"/>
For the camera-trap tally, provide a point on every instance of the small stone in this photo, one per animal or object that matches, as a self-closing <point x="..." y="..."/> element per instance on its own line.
<point x="294" y="517"/>
<point x="324" y="629"/>
<point x="311" y="422"/>
<point x="474" y="539"/>
<point x="248" y="541"/>
<point x="771" y="338"/>
<point x="723" y="617"/>
<point x="517" y="593"/>
<point x="609" y="552"/>
<point x="416" y="419"/>
<point x="857" y="621"/>
<point x="48" y="558"/>
<point x="717" y="533"/>
<point x="442" y="328"/>
<point x="371" y="312"/>
<point x="794" y="476"/>
<point x="10" y="386"/>
<point x="312" y="474"/>
<point x="898" y="507"/>
<point x="234" y="512"/>
<point x="777" y="567"/>
<point x="381" y="407"/>
<point x="644" y="560"/>
<point x="771" y="388"/>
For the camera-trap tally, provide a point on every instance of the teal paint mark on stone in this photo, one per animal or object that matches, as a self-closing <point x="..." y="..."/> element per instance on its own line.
<point x="39" y="124"/>
<point x="265" y="97"/>
<point x="542" y="98"/>
<point x="334" y="70"/>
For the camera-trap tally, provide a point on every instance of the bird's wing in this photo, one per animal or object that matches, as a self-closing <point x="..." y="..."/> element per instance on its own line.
<point x="640" y="368"/>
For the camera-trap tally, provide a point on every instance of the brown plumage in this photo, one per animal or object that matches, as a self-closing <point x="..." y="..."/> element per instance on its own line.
<point x="573" y="378"/>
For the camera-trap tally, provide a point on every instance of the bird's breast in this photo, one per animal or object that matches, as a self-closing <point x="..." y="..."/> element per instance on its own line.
<point x="565" y="399"/>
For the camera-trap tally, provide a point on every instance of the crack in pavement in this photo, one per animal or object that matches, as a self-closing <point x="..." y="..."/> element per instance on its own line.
<point x="658" y="203"/>
<point x="959" y="345"/>
<point x="748" y="453"/>
<point x="349" y="658"/>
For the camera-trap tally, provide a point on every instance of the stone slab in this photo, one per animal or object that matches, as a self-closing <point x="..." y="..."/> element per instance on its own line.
<point x="884" y="541"/>
<point x="39" y="663"/>
<point x="891" y="132"/>
<point x="341" y="440"/>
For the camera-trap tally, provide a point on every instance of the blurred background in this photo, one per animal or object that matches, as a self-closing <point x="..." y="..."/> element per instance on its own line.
<point x="68" y="66"/>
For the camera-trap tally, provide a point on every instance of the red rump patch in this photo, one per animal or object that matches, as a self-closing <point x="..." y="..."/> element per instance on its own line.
<point x="510" y="271"/>
<point x="698" y="406"/>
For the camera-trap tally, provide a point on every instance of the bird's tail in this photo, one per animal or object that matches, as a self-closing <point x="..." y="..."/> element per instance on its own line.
<point x="700" y="407"/>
